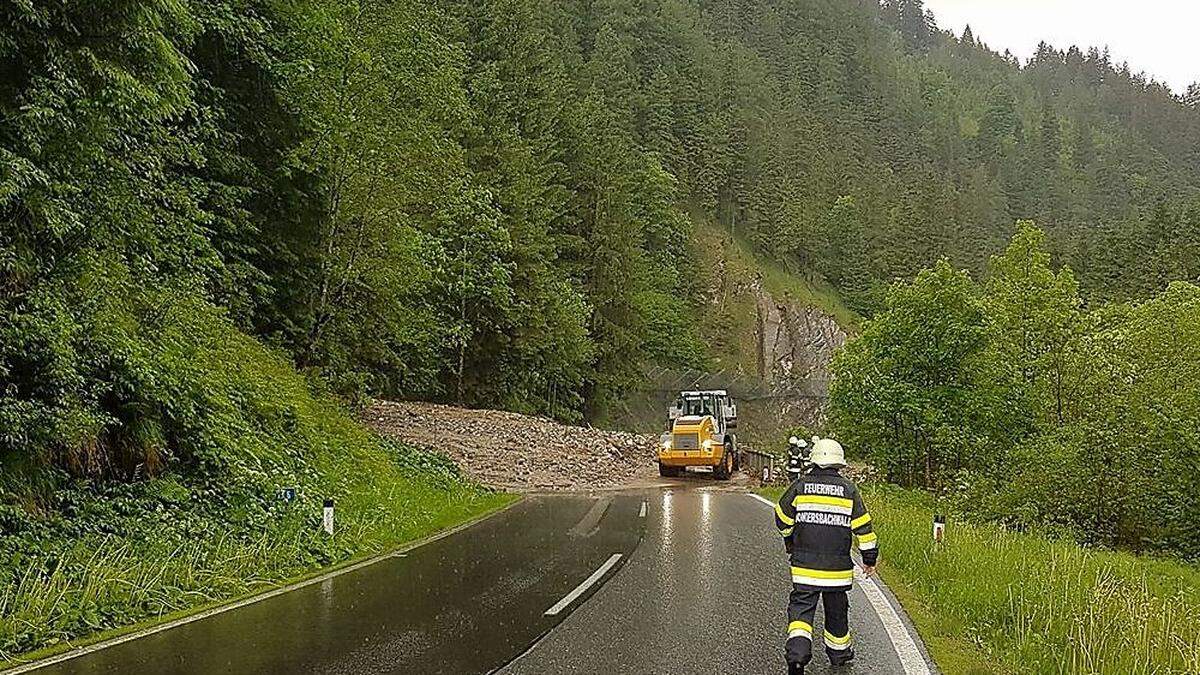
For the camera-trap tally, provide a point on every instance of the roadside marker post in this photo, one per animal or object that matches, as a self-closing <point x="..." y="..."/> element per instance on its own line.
<point x="939" y="528"/>
<point x="327" y="517"/>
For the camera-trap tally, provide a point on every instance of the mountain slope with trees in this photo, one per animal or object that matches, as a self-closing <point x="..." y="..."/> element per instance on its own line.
<point x="217" y="216"/>
<point x="483" y="203"/>
<point x="1013" y="400"/>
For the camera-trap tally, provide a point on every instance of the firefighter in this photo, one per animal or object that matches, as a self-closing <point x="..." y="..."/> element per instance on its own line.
<point x="821" y="516"/>
<point x="797" y="457"/>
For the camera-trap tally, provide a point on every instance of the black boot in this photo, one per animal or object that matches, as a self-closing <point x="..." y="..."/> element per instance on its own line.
<point x="795" y="669"/>
<point x="842" y="659"/>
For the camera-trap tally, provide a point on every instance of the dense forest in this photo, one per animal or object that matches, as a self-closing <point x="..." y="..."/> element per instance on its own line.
<point x="492" y="202"/>
<point x="1017" y="403"/>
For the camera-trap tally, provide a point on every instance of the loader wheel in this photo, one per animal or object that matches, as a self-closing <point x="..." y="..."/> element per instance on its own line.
<point x="668" y="471"/>
<point x="725" y="469"/>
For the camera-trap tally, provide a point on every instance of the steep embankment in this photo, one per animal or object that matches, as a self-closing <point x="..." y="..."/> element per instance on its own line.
<point x="199" y="520"/>
<point x="761" y="320"/>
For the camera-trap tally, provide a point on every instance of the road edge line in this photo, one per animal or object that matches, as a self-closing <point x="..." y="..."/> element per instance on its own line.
<point x="583" y="587"/>
<point x="911" y="658"/>
<point x="762" y="499"/>
<point x="903" y="643"/>
<point x="259" y="597"/>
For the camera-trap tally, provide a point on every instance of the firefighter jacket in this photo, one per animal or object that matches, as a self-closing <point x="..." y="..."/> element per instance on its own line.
<point x="796" y="460"/>
<point x="820" y="517"/>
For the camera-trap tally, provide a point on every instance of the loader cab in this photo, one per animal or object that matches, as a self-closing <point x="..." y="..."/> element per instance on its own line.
<point x="717" y="404"/>
<point x="699" y="405"/>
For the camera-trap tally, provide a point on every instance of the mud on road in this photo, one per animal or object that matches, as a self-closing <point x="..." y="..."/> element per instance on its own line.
<point x="519" y="453"/>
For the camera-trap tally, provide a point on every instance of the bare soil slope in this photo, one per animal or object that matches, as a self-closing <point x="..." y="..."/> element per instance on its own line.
<point x="516" y="452"/>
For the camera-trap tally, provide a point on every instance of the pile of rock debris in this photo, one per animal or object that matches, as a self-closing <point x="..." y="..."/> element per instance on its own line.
<point x="519" y="453"/>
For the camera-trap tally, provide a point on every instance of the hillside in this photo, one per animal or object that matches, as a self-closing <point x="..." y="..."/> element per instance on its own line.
<point x="482" y="203"/>
<point x="184" y="510"/>
<point x="507" y="204"/>
<point x="863" y="144"/>
<point x="766" y="334"/>
<point x="760" y="319"/>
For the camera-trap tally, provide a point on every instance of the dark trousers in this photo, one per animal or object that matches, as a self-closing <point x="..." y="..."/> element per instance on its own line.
<point x="802" y="608"/>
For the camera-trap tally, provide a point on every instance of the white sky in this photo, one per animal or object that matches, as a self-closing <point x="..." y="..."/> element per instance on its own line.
<point x="1159" y="37"/>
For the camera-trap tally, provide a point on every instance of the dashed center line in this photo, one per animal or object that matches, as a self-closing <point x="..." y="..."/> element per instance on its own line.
<point x="642" y="512"/>
<point x="583" y="587"/>
<point x="590" y="523"/>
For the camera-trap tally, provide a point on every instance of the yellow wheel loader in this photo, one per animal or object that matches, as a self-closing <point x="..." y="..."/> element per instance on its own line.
<point x="700" y="434"/>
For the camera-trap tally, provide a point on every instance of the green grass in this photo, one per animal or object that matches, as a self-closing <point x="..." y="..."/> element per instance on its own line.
<point x="993" y="601"/>
<point x="728" y="268"/>
<point x="96" y="585"/>
<point x="740" y="261"/>
<point x="190" y="578"/>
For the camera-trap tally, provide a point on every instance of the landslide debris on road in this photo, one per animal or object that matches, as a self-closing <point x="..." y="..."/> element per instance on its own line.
<point x="516" y="452"/>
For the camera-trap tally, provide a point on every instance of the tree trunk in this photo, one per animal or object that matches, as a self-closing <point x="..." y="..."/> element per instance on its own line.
<point x="462" y="324"/>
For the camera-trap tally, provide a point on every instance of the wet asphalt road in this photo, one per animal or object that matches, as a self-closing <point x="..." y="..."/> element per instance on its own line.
<point x="701" y="588"/>
<point x="706" y="592"/>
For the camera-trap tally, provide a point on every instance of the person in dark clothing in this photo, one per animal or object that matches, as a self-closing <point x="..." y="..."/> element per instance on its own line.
<point x="821" y="517"/>
<point x="797" y="457"/>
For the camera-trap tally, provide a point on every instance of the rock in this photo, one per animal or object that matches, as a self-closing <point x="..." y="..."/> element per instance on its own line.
<point x="794" y="341"/>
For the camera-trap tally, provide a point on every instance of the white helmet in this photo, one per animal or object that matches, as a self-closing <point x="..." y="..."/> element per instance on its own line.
<point x="827" y="452"/>
<point x="798" y="442"/>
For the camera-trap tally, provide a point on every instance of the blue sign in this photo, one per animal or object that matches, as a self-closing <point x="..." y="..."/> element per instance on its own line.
<point x="287" y="494"/>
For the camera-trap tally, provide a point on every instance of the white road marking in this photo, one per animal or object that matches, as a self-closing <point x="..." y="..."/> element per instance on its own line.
<point x="642" y="512"/>
<point x="906" y="648"/>
<point x="762" y="499"/>
<point x="583" y="587"/>
<point x="590" y="523"/>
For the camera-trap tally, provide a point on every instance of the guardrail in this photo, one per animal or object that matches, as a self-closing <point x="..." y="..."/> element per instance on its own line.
<point x="754" y="463"/>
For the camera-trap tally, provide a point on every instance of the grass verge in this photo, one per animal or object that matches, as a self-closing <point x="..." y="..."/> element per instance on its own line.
<point x="989" y="600"/>
<point x="77" y="592"/>
<point x="502" y="502"/>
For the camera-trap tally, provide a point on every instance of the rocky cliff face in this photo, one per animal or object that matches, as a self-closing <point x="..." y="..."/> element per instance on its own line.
<point x="794" y="342"/>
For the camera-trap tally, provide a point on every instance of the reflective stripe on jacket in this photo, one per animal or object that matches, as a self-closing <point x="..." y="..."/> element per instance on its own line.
<point x="822" y="516"/>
